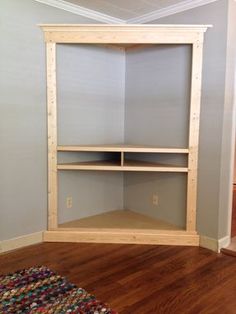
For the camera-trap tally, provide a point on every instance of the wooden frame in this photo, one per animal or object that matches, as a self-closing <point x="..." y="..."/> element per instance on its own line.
<point x="125" y="36"/>
<point x="52" y="135"/>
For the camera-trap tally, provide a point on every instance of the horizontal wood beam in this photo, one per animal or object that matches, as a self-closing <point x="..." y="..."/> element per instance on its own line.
<point x="122" y="237"/>
<point x="123" y="34"/>
<point x="122" y="148"/>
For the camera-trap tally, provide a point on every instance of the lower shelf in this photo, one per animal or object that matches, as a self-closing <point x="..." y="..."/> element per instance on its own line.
<point x="120" y="219"/>
<point x="129" y="165"/>
<point x="121" y="226"/>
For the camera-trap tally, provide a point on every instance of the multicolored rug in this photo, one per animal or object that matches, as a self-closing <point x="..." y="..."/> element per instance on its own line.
<point x="40" y="290"/>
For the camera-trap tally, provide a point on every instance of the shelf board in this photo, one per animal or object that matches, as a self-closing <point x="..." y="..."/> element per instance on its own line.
<point x="91" y="165"/>
<point x="136" y="165"/>
<point x="122" y="220"/>
<point x="121" y="148"/>
<point x="129" y="165"/>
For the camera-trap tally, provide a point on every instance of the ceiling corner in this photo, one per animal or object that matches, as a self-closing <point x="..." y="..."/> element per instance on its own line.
<point x="169" y="10"/>
<point x="142" y="19"/>
<point x="76" y="9"/>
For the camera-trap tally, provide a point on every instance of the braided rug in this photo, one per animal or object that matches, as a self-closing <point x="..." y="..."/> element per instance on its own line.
<point x="40" y="290"/>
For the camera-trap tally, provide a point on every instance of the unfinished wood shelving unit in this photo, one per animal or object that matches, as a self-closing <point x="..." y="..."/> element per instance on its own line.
<point x="96" y="229"/>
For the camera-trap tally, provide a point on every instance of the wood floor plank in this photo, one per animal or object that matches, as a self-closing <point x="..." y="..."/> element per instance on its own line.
<point x="198" y="283"/>
<point x="165" y="278"/>
<point x="139" y="279"/>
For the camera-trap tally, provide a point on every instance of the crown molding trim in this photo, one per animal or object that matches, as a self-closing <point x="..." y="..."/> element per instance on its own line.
<point x="76" y="9"/>
<point x="170" y="10"/>
<point x="146" y="18"/>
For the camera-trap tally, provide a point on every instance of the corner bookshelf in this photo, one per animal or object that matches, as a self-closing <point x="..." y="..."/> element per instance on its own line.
<point x="123" y="226"/>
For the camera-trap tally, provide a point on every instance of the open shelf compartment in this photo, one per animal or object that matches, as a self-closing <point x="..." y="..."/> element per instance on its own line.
<point x="121" y="226"/>
<point x="120" y="219"/>
<point x="122" y="164"/>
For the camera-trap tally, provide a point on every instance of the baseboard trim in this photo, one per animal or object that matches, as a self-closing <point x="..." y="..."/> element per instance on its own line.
<point x="37" y="237"/>
<point x="223" y="243"/>
<point x="214" y="244"/>
<point x="22" y="241"/>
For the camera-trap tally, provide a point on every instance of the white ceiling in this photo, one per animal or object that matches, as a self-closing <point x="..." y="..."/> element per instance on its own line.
<point x="125" y="9"/>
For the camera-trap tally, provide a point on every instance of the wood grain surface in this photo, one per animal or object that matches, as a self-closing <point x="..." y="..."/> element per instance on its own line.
<point x="140" y="279"/>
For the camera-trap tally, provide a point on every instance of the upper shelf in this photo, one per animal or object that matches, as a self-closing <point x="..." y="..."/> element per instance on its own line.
<point x="123" y="164"/>
<point x="121" y="148"/>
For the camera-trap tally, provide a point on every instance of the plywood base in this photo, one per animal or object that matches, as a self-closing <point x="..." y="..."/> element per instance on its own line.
<point x="120" y="219"/>
<point x="121" y="226"/>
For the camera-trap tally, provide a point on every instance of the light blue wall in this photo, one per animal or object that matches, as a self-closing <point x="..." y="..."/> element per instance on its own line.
<point x="23" y="139"/>
<point x="156" y="113"/>
<point x="212" y="112"/>
<point x="157" y="95"/>
<point x="91" y="86"/>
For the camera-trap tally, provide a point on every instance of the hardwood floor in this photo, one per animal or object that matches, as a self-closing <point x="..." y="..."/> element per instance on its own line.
<point x="139" y="279"/>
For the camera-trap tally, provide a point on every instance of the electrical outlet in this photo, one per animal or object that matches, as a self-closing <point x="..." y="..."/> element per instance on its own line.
<point x="69" y="202"/>
<point x="155" y="199"/>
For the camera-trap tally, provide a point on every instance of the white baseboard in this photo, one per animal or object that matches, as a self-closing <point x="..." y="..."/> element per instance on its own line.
<point x="209" y="243"/>
<point x="22" y="241"/>
<point x="214" y="244"/>
<point x="223" y="242"/>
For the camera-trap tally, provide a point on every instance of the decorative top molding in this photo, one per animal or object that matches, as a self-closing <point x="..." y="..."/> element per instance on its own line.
<point x="124" y="27"/>
<point x="170" y="10"/>
<point x="123" y="34"/>
<point x="76" y="9"/>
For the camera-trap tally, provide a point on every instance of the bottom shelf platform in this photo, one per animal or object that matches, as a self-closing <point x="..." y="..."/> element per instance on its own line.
<point x="121" y="226"/>
<point x="120" y="219"/>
